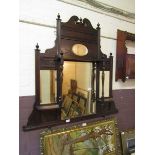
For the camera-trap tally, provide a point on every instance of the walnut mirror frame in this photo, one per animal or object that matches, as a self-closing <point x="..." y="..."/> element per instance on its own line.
<point x="125" y="62"/>
<point x="71" y="34"/>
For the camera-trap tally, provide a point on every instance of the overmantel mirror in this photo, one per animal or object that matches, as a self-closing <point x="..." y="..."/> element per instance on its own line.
<point x="73" y="79"/>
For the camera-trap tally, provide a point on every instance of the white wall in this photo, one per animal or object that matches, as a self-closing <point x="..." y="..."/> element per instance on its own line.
<point x="127" y="5"/>
<point x="45" y="12"/>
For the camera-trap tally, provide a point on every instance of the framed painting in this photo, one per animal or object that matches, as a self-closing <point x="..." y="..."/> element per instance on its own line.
<point x="95" y="138"/>
<point x="128" y="142"/>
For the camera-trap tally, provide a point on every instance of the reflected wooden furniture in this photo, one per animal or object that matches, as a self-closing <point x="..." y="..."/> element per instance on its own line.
<point x="125" y="63"/>
<point x="71" y="34"/>
<point x="74" y="105"/>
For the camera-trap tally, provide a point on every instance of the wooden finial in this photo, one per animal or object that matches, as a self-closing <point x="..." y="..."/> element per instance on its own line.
<point x="37" y="46"/>
<point x="98" y="26"/>
<point x="80" y="20"/>
<point x="58" y="16"/>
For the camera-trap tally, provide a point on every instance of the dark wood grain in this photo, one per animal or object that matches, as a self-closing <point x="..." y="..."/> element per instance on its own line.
<point x="75" y="31"/>
<point x="124" y="62"/>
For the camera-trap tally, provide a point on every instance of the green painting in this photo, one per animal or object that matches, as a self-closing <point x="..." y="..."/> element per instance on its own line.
<point x="94" y="139"/>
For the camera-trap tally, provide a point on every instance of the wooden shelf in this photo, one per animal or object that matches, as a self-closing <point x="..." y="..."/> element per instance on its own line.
<point x="47" y="107"/>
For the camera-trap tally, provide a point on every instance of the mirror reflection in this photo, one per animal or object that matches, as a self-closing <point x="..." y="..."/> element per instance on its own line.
<point x="76" y="89"/>
<point x="48" y="86"/>
<point x="104" y="83"/>
<point x="80" y="50"/>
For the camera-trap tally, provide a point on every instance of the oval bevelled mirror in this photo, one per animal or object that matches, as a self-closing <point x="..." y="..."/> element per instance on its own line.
<point x="79" y="49"/>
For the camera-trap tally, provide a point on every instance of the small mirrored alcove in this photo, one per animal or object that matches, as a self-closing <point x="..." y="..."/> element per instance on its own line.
<point x="73" y="80"/>
<point x="48" y="87"/>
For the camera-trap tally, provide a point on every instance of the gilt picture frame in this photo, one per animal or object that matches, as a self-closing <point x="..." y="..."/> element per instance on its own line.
<point x="95" y="138"/>
<point x="128" y="142"/>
